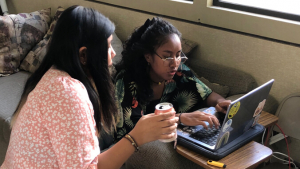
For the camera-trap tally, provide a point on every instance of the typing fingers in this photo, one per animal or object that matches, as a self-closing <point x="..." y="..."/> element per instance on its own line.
<point x="216" y="122"/>
<point x="209" y="120"/>
<point x="203" y="124"/>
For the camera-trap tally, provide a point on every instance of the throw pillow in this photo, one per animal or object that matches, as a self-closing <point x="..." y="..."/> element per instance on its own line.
<point x="34" y="58"/>
<point x="187" y="46"/>
<point x="220" y="89"/>
<point x="18" y="34"/>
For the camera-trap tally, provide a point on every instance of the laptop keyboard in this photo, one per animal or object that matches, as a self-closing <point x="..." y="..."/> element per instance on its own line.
<point x="208" y="136"/>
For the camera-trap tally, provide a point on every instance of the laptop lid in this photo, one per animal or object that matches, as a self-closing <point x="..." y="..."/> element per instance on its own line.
<point x="243" y="113"/>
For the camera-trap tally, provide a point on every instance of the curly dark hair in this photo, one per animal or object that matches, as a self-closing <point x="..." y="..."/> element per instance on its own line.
<point x="144" y="40"/>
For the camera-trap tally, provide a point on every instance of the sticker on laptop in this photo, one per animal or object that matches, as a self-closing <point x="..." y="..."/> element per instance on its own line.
<point x="259" y="108"/>
<point x="223" y="140"/>
<point x="234" y="109"/>
<point x="256" y="119"/>
<point x="227" y="125"/>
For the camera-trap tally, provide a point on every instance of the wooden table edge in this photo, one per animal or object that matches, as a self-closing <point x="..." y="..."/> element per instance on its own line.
<point x="180" y="149"/>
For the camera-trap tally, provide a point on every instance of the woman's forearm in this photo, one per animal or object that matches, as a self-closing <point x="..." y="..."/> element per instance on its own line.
<point x="116" y="156"/>
<point x="213" y="99"/>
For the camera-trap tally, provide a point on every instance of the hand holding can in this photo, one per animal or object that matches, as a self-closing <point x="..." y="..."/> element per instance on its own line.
<point x="164" y="108"/>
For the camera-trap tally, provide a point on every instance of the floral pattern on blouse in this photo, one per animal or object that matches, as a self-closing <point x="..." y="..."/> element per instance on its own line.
<point x="55" y="127"/>
<point x="186" y="92"/>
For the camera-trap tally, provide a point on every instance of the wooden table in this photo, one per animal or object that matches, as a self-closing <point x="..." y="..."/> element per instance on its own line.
<point x="248" y="156"/>
<point x="268" y="120"/>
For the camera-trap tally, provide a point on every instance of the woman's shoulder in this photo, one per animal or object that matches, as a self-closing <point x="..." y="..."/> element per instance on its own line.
<point x="57" y="81"/>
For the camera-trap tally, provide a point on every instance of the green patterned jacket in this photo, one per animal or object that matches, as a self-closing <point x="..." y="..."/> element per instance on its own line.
<point x="186" y="92"/>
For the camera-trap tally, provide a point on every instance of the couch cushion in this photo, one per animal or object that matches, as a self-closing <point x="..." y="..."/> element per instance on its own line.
<point x="18" y="34"/>
<point x="116" y="43"/>
<point x="11" y="88"/>
<point x="157" y="154"/>
<point x="34" y="58"/>
<point x="239" y="82"/>
<point x="188" y="46"/>
<point x="220" y="89"/>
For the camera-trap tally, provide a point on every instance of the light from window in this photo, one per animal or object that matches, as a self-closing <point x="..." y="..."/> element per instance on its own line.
<point x="285" y="6"/>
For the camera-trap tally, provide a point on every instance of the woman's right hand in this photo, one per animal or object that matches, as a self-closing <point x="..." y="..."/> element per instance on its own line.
<point x="199" y="118"/>
<point x="152" y="127"/>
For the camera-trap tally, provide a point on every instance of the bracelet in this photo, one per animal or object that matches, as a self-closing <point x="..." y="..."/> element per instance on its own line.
<point x="132" y="141"/>
<point x="179" y="118"/>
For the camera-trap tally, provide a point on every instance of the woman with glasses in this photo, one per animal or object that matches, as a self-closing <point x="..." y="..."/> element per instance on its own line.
<point x="152" y="71"/>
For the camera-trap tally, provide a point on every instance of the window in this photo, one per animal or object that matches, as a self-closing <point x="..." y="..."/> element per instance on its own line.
<point x="287" y="9"/>
<point x="206" y="12"/>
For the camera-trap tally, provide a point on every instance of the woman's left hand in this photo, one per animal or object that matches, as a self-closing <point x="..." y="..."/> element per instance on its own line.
<point x="222" y="106"/>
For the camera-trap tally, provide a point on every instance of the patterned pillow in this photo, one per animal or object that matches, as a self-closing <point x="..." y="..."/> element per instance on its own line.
<point x="187" y="46"/>
<point x="18" y="34"/>
<point x="34" y="58"/>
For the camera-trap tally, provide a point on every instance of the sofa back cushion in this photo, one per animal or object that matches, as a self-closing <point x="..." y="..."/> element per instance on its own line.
<point x="18" y="34"/>
<point x="34" y="58"/>
<point x="11" y="89"/>
<point x="239" y="82"/>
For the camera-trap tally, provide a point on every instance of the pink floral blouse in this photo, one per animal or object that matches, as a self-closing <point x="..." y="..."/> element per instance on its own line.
<point x="55" y="127"/>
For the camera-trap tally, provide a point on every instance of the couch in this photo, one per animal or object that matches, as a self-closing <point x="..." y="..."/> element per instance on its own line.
<point x="229" y="82"/>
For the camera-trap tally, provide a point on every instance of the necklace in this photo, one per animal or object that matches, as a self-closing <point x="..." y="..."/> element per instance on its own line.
<point x="159" y="83"/>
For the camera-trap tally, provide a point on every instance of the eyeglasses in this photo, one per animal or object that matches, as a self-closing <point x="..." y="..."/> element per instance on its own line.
<point x="178" y="59"/>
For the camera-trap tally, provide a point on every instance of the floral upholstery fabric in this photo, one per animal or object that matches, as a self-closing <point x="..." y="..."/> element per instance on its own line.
<point x="186" y="92"/>
<point x="18" y="34"/>
<point x="34" y="58"/>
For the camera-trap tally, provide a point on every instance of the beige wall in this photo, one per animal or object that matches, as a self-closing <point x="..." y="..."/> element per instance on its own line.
<point x="261" y="58"/>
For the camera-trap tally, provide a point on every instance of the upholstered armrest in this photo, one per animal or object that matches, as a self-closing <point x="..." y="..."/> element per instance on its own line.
<point x="238" y="81"/>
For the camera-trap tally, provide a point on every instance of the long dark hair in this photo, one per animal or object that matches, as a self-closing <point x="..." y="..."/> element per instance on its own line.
<point x="144" y="40"/>
<point x="77" y="27"/>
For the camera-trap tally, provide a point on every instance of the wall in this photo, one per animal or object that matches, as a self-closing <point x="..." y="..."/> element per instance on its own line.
<point x="263" y="59"/>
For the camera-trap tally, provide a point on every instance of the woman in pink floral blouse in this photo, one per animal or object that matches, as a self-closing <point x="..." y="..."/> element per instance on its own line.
<point x="70" y="98"/>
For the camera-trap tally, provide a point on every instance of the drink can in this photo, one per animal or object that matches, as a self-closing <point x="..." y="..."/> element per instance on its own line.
<point x="165" y="108"/>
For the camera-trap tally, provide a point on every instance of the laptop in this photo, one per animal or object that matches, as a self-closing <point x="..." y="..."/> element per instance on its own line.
<point x="242" y="114"/>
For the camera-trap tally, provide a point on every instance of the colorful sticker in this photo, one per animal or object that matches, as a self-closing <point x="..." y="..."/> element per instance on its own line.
<point x="234" y="109"/>
<point x="256" y="120"/>
<point x="223" y="139"/>
<point x="259" y="108"/>
<point x="227" y="125"/>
